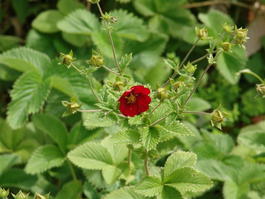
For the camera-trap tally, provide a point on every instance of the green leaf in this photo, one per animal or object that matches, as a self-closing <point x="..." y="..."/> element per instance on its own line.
<point x="25" y="59"/>
<point x="53" y="127"/>
<point x="79" y="22"/>
<point x="179" y="160"/>
<point x="96" y="120"/>
<point x="28" y="96"/>
<point x="17" y="178"/>
<point x="47" y="21"/>
<point x="111" y="174"/>
<point x="124" y="193"/>
<point x="67" y="6"/>
<point x="6" y="161"/>
<point x="253" y="136"/>
<point x="150" y="186"/>
<point x="169" y="193"/>
<point x="90" y="156"/>
<point x="126" y="136"/>
<point x="43" y="159"/>
<point x="173" y="128"/>
<point x="129" y="26"/>
<point x="149" y="137"/>
<point x="230" y="63"/>
<point x="198" y="104"/>
<point x="215" y="20"/>
<point x="71" y="190"/>
<point x="8" y="42"/>
<point x="188" y="180"/>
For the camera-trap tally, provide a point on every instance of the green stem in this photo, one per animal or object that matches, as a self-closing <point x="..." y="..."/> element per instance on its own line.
<point x="160" y="120"/>
<point x="129" y="159"/>
<point x="216" y="2"/>
<point x="196" y="112"/>
<point x="108" y="69"/>
<point x="92" y="89"/>
<point x="183" y="62"/>
<point x="146" y="164"/>
<point x="156" y="107"/>
<point x="200" y="59"/>
<point x="72" y="170"/>
<point x="197" y="84"/>
<point x="111" y="41"/>
<point x="247" y="71"/>
<point x="90" y="111"/>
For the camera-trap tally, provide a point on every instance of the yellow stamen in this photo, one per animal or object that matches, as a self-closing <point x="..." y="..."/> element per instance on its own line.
<point x="130" y="99"/>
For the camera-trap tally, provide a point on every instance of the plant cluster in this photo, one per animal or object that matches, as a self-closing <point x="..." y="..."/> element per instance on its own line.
<point x="125" y="121"/>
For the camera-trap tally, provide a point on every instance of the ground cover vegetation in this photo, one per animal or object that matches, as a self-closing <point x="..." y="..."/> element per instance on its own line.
<point x="132" y="99"/>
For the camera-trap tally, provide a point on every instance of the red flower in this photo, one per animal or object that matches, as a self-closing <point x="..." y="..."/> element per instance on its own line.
<point x="135" y="101"/>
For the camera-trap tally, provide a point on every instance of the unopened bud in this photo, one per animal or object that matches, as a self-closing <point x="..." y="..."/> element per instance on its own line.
<point x="202" y="33"/>
<point x="226" y="46"/>
<point x="217" y="118"/>
<point x="4" y="193"/>
<point x="178" y="84"/>
<point x="261" y="89"/>
<point x="96" y="61"/>
<point x="228" y="28"/>
<point x="109" y="19"/>
<point x="21" y="195"/>
<point x="190" y="68"/>
<point x="118" y="85"/>
<point x="93" y="1"/>
<point x="72" y="107"/>
<point x="162" y="94"/>
<point x="39" y="196"/>
<point x="241" y="36"/>
<point x="67" y="59"/>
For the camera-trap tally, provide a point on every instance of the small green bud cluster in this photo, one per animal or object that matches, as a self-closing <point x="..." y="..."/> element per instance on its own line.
<point x="162" y="94"/>
<point x="202" y="33"/>
<point x="72" y="107"/>
<point x="190" y="68"/>
<point x="217" y="118"/>
<point x="109" y="19"/>
<point x="96" y="60"/>
<point x="4" y="193"/>
<point x="21" y="195"/>
<point x="67" y="59"/>
<point x="240" y="36"/>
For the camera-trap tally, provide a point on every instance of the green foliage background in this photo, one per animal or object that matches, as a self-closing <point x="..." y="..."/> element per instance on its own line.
<point x="82" y="154"/>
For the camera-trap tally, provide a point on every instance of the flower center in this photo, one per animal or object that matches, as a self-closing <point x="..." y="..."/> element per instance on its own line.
<point x="130" y="99"/>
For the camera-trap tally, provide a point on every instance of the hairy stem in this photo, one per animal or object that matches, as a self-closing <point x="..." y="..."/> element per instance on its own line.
<point x="108" y="69"/>
<point x="146" y="164"/>
<point x="197" y="84"/>
<point x="111" y="41"/>
<point x="216" y="2"/>
<point x="72" y="170"/>
<point x="183" y="62"/>
<point x="156" y="107"/>
<point x="160" y="120"/>
<point x="196" y="112"/>
<point x="129" y="159"/>
<point x="90" y="111"/>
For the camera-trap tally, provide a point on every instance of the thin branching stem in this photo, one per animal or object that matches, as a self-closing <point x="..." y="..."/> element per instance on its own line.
<point x="129" y="159"/>
<point x="146" y="163"/>
<point x="197" y="84"/>
<point x="200" y="59"/>
<point x="89" y="111"/>
<point x="72" y="170"/>
<point x="254" y="75"/>
<point x="156" y="107"/>
<point x="160" y="120"/>
<point x="196" y="112"/>
<point x="183" y="62"/>
<point x="111" y="41"/>
<point x="112" y="71"/>
<point x="216" y="2"/>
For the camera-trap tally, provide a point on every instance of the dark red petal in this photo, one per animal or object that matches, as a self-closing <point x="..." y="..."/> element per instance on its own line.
<point x="143" y="102"/>
<point x="140" y="90"/>
<point x="129" y="109"/>
<point x="126" y="93"/>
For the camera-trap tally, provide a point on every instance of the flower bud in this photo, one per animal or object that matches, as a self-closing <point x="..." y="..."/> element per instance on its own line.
<point x="190" y="68"/>
<point x="39" y="196"/>
<point x="226" y="46"/>
<point x="109" y="19"/>
<point x="162" y="94"/>
<point x="178" y="84"/>
<point x="96" y="61"/>
<point x="228" y="28"/>
<point x="261" y="89"/>
<point x="118" y="85"/>
<point x="4" y="193"/>
<point x="93" y="1"/>
<point x="241" y="36"/>
<point x="217" y="118"/>
<point x="202" y="33"/>
<point x="72" y="107"/>
<point x="20" y="195"/>
<point x="67" y="59"/>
